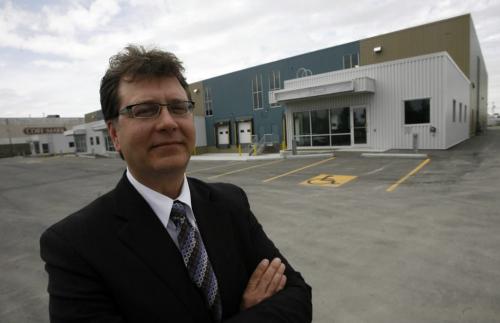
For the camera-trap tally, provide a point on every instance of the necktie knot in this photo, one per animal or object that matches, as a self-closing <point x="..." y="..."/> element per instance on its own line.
<point x="178" y="214"/>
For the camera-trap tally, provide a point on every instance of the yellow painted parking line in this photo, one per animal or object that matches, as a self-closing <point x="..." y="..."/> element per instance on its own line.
<point x="208" y="168"/>
<point x="298" y="170"/>
<point x="413" y="172"/>
<point x="244" y="169"/>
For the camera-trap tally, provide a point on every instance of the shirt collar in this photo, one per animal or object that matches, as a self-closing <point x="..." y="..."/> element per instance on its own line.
<point x="162" y="204"/>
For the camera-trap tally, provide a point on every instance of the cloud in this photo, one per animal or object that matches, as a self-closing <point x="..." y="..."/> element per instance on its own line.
<point x="63" y="48"/>
<point x="68" y="21"/>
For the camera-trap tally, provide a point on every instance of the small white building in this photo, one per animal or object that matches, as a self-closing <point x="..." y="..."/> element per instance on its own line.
<point x="419" y="102"/>
<point x="49" y="144"/>
<point x="91" y="138"/>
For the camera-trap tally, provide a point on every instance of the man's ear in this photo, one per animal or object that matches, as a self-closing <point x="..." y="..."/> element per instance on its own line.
<point x="113" y="133"/>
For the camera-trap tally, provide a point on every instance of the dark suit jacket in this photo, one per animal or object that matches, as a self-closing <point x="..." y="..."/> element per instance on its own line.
<point x="113" y="261"/>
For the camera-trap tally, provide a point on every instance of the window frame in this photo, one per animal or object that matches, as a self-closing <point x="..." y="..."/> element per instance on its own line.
<point x="257" y="92"/>
<point x="274" y="84"/>
<point x="419" y="123"/>
<point x="208" y="102"/>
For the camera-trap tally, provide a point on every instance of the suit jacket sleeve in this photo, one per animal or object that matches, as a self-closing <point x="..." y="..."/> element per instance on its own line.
<point x="76" y="291"/>
<point x="293" y="303"/>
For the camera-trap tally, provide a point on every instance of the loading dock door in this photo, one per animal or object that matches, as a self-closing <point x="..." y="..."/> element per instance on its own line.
<point x="223" y="135"/>
<point x="245" y="132"/>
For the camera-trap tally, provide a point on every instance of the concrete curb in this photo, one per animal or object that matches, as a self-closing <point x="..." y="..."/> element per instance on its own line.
<point x="394" y="155"/>
<point x="300" y="156"/>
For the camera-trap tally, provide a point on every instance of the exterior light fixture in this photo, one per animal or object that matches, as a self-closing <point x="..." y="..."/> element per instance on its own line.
<point x="377" y="49"/>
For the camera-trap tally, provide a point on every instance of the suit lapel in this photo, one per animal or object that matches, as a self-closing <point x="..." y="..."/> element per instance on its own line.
<point x="146" y="236"/>
<point x="215" y="226"/>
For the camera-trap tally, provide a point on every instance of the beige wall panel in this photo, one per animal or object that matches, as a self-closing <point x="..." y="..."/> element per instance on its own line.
<point x="451" y="35"/>
<point x="198" y="98"/>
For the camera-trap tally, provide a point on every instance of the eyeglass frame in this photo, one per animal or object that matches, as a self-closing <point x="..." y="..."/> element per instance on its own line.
<point x="128" y="110"/>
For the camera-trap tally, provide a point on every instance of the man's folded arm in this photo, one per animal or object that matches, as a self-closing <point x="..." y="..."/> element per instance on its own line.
<point x="293" y="303"/>
<point x="76" y="292"/>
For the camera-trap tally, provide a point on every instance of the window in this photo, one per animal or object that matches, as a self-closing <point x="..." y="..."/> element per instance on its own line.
<point x="45" y="148"/>
<point x="97" y="140"/>
<point x="327" y="127"/>
<point x="460" y="112"/>
<point x="465" y="113"/>
<point x="108" y="143"/>
<point x="274" y="81"/>
<point x="454" y="110"/>
<point x="208" y="102"/>
<point x="71" y="144"/>
<point x="350" y="60"/>
<point x="257" y="92"/>
<point x="91" y="141"/>
<point x="274" y="84"/>
<point x="81" y="143"/>
<point x="417" y="111"/>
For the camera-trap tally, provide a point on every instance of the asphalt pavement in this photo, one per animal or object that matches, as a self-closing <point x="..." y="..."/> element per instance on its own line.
<point x="379" y="239"/>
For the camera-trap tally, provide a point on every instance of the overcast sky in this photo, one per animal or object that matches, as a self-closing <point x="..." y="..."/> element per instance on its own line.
<point x="54" y="52"/>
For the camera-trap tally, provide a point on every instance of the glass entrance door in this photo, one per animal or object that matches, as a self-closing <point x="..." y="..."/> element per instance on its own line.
<point x="359" y="125"/>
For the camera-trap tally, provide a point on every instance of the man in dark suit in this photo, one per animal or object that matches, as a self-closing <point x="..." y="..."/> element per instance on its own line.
<point x="162" y="247"/>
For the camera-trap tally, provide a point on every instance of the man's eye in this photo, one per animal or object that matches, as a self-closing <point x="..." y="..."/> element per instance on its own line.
<point x="145" y="110"/>
<point x="178" y="108"/>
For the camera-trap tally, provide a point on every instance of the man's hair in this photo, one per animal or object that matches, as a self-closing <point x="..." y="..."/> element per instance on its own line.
<point x="136" y="62"/>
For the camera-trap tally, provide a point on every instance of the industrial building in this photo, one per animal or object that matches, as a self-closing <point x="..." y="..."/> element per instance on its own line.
<point x="424" y="86"/>
<point x="36" y="136"/>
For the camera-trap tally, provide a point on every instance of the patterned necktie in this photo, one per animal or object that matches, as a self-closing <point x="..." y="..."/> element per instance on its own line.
<point x="196" y="259"/>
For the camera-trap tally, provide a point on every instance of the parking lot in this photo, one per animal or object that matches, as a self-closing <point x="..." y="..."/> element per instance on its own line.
<point x="379" y="239"/>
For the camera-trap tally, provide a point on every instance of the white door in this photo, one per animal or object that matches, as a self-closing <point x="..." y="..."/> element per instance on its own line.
<point x="245" y="132"/>
<point x="223" y="135"/>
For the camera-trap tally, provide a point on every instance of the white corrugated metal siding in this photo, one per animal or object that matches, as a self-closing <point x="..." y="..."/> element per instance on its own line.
<point x="432" y="76"/>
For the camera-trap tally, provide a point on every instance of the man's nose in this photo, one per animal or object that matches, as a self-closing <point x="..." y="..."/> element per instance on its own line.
<point x="166" y="121"/>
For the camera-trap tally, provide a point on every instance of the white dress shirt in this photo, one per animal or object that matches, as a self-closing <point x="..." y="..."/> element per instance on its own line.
<point x="162" y="204"/>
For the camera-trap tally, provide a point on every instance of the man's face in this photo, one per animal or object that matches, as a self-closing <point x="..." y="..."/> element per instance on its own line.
<point x="159" y="145"/>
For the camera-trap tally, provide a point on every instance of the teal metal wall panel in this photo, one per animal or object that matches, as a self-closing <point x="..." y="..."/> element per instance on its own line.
<point x="232" y="93"/>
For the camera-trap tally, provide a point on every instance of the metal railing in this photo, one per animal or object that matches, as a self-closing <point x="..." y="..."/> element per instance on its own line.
<point x="259" y="145"/>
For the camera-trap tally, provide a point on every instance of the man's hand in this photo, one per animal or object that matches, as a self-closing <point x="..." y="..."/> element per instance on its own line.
<point x="266" y="280"/>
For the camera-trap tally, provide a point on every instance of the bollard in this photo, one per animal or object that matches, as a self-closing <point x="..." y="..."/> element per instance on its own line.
<point x="415" y="142"/>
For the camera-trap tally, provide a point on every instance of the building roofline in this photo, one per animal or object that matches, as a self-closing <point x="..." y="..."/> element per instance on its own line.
<point x="420" y="26"/>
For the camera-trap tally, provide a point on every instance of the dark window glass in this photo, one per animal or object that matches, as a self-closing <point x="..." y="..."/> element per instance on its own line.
<point x="71" y="144"/>
<point x="454" y="110"/>
<point x="45" y="148"/>
<point x="360" y="136"/>
<point x="319" y="121"/>
<point x="303" y="141"/>
<point x="340" y="120"/>
<point x="341" y="140"/>
<point x="347" y="61"/>
<point x="97" y="141"/>
<point x="321" y="140"/>
<point x="37" y="147"/>
<point x="354" y="59"/>
<point x="417" y="111"/>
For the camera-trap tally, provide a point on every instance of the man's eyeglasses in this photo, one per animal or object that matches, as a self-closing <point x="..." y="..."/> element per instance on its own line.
<point x="153" y="110"/>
